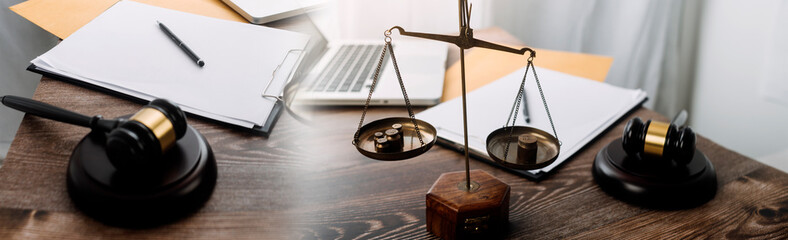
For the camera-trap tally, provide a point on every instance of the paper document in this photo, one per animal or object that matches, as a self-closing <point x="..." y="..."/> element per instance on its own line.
<point x="124" y="50"/>
<point x="581" y="110"/>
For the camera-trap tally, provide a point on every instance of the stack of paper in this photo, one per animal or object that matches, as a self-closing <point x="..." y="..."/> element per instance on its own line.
<point x="581" y="110"/>
<point x="124" y="50"/>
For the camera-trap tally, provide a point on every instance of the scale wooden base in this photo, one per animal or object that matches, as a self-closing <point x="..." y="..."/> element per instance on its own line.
<point x="455" y="213"/>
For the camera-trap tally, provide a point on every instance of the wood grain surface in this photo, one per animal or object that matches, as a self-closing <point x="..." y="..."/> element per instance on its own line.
<point x="385" y="199"/>
<point x="309" y="182"/>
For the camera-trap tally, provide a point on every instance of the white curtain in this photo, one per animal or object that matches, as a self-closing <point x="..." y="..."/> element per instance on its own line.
<point x="740" y="92"/>
<point x="20" y="41"/>
<point x="774" y="87"/>
<point x="775" y="84"/>
<point x="652" y="42"/>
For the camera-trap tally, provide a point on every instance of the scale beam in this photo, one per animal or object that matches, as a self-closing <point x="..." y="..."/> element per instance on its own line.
<point x="436" y="37"/>
<point x="493" y="46"/>
<point x="465" y="41"/>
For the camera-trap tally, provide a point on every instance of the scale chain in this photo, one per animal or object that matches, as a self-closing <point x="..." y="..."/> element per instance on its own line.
<point x="388" y="47"/>
<point x="546" y="109"/>
<point x="371" y="89"/>
<point x="518" y="100"/>
<point x="404" y="93"/>
<point x="516" y="110"/>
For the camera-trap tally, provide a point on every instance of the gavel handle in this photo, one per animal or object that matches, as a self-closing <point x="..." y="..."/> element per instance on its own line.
<point x="45" y="110"/>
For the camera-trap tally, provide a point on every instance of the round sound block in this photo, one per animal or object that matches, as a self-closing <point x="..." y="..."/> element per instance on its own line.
<point x="177" y="186"/>
<point x="654" y="183"/>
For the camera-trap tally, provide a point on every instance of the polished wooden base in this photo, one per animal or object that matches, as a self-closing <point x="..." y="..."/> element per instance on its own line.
<point x="654" y="183"/>
<point x="146" y="198"/>
<point x="453" y="212"/>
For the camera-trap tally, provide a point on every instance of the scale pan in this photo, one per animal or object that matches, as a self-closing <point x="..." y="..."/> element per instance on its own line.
<point x="411" y="147"/>
<point x="547" y="153"/>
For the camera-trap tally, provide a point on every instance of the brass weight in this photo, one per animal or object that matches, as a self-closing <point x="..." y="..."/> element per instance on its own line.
<point x="526" y="149"/>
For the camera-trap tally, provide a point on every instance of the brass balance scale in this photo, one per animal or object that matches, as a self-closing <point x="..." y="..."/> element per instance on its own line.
<point x="475" y="203"/>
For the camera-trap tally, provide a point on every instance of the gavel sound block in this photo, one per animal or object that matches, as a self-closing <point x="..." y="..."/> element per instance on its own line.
<point x="655" y="165"/>
<point x="134" y="171"/>
<point x="181" y="183"/>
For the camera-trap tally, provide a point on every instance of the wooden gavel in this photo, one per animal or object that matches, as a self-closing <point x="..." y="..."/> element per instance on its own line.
<point x="132" y="143"/>
<point x="659" y="140"/>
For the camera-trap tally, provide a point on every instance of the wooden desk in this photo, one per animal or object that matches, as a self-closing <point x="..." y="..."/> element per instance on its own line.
<point x="310" y="182"/>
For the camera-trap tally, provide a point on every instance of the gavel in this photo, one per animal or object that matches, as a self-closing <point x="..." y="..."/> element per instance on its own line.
<point x="659" y="140"/>
<point x="133" y="143"/>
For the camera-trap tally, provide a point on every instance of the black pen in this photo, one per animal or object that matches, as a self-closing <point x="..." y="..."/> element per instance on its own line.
<point x="182" y="45"/>
<point x="525" y="109"/>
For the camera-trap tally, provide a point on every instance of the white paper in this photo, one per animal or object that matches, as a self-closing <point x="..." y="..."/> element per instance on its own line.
<point x="125" y="50"/>
<point x="581" y="109"/>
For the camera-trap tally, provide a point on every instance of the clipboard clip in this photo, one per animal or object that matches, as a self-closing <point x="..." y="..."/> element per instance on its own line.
<point x="281" y="99"/>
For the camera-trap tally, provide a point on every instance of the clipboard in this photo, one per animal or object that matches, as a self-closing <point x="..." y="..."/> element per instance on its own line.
<point x="241" y="84"/>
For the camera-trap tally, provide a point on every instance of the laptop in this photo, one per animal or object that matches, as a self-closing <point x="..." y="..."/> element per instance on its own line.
<point x="340" y="72"/>
<point x="344" y="74"/>
<point x="265" y="11"/>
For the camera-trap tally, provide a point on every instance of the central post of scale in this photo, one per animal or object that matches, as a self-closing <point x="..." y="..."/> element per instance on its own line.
<point x="457" y="207"/>
<point x="465" y="41"/>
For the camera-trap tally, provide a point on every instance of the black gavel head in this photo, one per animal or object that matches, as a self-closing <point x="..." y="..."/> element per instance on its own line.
<point x="146" y="136"/>
<point x="658" y="139"/>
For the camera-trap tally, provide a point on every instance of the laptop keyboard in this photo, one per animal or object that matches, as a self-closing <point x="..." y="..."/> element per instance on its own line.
<point x="348" y="69"/>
